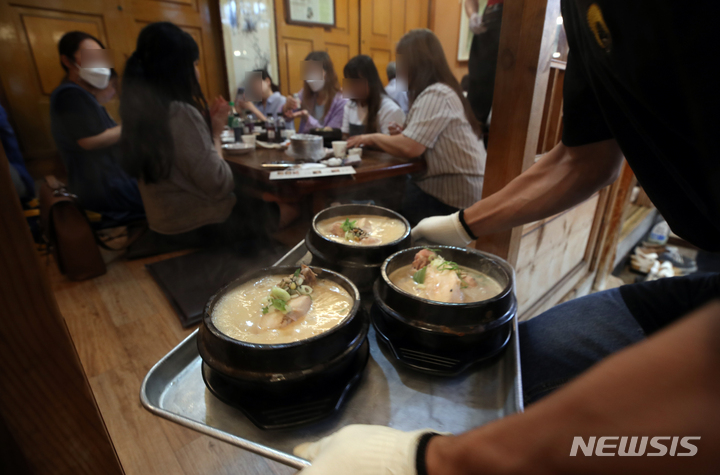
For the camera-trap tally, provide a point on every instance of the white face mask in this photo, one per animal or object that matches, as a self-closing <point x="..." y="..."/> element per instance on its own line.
<point x="315" y="84"/>
<point x="96" y="77"/>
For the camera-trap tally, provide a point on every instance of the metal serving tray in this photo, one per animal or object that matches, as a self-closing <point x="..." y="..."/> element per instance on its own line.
<point x="389" y="394"/>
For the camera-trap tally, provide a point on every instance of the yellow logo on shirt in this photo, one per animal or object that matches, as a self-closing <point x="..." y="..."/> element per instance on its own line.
<point x="597" y="25"/>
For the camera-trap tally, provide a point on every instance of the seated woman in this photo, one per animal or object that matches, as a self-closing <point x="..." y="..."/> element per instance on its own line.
<point x="440" y="126"/>
<point x="170" y="139"/>
<point x="369" y="109"/>
<point x="320" y="103"/>
<point x="271" y="102"/>
<point x="87" y="137"/>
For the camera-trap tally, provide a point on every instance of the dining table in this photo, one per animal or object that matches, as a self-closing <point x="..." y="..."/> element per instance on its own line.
<point x="376" y="168"/>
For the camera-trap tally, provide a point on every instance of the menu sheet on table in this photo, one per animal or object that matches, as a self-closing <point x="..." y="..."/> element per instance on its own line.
<point x="297" y="173"/>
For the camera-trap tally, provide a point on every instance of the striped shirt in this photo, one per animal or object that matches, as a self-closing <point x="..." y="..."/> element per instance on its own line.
<point x="455" y="156"/>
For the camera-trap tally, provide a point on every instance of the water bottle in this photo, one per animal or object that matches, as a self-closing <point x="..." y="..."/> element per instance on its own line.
<point x="237" y="127"/>
<point x="232" y="114"/>
<point x="660" y="233"/>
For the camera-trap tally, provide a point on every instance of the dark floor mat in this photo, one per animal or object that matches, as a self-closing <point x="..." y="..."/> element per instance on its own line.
<point x="151" y="243"/>
<point x="189" y="281"/>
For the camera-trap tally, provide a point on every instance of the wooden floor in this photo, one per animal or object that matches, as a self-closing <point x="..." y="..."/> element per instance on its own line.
<point x="121" y="325"/>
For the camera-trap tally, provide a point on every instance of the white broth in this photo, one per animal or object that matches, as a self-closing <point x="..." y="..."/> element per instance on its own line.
<point x="446" y="285"/>
<point x="362" y="230"/>
<point x="238" y="313"/>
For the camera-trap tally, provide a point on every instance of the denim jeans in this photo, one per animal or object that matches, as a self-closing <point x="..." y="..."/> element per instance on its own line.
<point x="568" y="339"/>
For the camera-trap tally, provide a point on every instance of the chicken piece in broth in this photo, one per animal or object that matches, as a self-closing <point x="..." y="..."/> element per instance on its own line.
<point x="443" y="286"/>
<point x="433" y="278"/>
<point x="281" y="309"/>
<point x="362" y="230"/>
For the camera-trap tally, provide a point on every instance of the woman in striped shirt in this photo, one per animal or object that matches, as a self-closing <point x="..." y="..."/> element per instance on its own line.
<point x="440" y="126"/>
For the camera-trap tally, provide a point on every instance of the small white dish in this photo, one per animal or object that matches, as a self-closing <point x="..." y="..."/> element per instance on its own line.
<point x="332" y="162"/>
<point x="238" y="148"/>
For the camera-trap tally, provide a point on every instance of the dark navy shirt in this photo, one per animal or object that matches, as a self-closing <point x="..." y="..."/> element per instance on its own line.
<point x="95" y="176"/>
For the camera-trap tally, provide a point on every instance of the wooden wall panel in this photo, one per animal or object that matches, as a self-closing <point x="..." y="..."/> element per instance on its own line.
<point x="384" y="22"/>
<point x="381" y="58"/>
<point x="416" y="14"/>
<point x="380" y="13"/>
<point x="44" y="32"/>
<point x="290" y="50"/>
<point x="445" y="23"/>
<point x="339" y="54"/>
<point x="45" y="401"/>
<point x="526" y="43"/>
<point x="552" y="120"/>
<point x="371" y="27"/>
<point x="296" y="41"/>
<point x="551" y="249"/>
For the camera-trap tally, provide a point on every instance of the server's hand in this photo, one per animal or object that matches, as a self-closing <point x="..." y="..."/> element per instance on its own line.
<point x="363" y="449"/>
<point x="442" y="230"/>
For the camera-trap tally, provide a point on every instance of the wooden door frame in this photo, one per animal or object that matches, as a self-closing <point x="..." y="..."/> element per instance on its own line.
<point x="520" y="85"/>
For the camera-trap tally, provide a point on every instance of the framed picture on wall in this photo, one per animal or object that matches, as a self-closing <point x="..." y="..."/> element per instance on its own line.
<point x="310" y="12"/>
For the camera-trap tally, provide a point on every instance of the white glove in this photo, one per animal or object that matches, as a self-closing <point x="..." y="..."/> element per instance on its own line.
<point x="442" y="230"/>
<point x="362" y="450"/>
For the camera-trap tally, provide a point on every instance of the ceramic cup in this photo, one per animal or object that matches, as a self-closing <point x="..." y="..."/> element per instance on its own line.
<point x="355" y="151"/>
<point x="339" y="148"/>
<point x="249" y="139"/>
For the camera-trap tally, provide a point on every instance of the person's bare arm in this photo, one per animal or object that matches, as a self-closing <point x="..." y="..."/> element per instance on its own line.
<point x="668" y="385"/>
<point x="104" y="139"/>
<point x="254" y="110"/>
<point x="562" y="178"/>
<point x="397" y="145"/>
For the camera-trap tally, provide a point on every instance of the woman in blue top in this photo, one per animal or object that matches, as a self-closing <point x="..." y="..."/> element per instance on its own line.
<point x="87" y="137"/>
<point x="271" y="102"/>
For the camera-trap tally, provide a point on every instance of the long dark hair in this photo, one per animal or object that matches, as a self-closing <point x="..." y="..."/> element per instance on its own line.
<point x="363" y="67"/>
<point x="425" y="63"/>
<point x="160" y="71"/>
<point x="264" y="74"/>
<point x="70" y="43"/>
<point x="332" y="86"/>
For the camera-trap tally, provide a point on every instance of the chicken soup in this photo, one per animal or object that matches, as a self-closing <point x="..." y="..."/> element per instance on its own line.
<point x="281" y="309"/>
<point x="432" y="277"/>
<point x="362" y="230"/>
